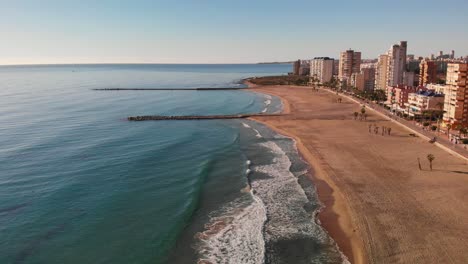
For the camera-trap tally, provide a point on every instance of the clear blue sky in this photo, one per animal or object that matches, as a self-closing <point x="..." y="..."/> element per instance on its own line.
<point x="217" y="31"/>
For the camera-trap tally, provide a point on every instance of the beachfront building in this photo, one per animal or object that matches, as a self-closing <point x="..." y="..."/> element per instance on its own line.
<point x="427" y="72"/>
<point x="381" y="73"/>
<point x="391" y="67"/>
<point x="364" y="80"/>
<point x="321" y="68"/>
<point x="301" y="67"/>
<point x="396" y="65"/>
<point x="304" y="67"/>
<point x="438" y="88"/>
<point x="456" y="94"/>
<point x="423" y="101"/>
<point x="336" y="67"/>
<point x="397" y="96"/>
<point x="296" y="67"/>
<point x="350" y="62"/>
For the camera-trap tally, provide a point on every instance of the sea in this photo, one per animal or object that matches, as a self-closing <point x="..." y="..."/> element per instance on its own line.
<point x="81" y="184"/>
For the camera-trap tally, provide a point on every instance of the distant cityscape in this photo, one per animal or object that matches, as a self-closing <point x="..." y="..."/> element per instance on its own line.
<point x="409" y="86"/>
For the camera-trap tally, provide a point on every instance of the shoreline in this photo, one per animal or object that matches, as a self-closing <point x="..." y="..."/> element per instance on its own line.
<point x="334" y="215"/>
<point x="382" y="198"/>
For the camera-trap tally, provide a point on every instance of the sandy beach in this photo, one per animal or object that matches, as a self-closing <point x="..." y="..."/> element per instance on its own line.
<point x="379" y="207"/>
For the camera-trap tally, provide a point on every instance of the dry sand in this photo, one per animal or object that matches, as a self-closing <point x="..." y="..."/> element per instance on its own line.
<point x="380" y="208"/>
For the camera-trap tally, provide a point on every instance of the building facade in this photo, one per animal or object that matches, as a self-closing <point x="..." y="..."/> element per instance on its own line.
<point x="350" y="62"/>
<point x="422" y="101"/>
<point x="321" y="68"/>
<point x="456" y="94"/>
<point x="427" y="72"/>
<point x="296" y="67"/>
<point x="364" y="80"/>
<point x="397" y="96"/>
<point x="396" y="65"/>
<point x="381" y="73"/>
<point x="438" y="88"/>
<point x="409" y="78"/>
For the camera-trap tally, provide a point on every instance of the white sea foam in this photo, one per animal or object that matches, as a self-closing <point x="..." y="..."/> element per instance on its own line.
<point x="248" y="162"/>
<point x="264" y="110"/>
<point x="240" y="233"/>
<point x="257" y="133"/>
<point x="284" y="199"/>
<point x="237" y="235"/>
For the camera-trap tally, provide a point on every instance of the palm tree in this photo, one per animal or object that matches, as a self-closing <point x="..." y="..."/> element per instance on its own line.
<point x="430" y="158"/>
<point x="441" y="107"/>
<point x="449" y="126"/>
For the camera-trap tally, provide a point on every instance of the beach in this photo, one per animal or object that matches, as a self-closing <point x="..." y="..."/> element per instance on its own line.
<point x="378" y="206"/>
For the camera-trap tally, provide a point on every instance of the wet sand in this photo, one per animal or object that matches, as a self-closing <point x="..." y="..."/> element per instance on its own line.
<point x="379" y="207"/>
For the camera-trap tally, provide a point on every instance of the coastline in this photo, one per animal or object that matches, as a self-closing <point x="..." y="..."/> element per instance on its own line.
<point x="334" y="215"/>
<point x="379" y="206"/>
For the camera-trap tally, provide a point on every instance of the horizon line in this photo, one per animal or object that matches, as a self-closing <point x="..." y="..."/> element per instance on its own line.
<point x="140" y="63"/>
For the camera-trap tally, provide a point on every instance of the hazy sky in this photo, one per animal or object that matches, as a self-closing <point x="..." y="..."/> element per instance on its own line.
<point x="217" y="31"/>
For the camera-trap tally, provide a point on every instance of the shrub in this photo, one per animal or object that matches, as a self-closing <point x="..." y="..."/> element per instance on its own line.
<point x="426" y="124"/>
<point x="433" y="128"/>
<point x="465" y="141"/>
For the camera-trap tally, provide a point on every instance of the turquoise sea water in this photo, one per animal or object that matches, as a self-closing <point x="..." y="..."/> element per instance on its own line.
<point x="80" y="184"/>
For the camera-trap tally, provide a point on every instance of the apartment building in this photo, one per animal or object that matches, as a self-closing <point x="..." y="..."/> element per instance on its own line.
<point x="397" y="96"/>
<point x="424" y="100"/>
<point x="350" y="62"/>
<point x="427" y="72"/>
<point x="364" y="80"/>
<point x="381" y="73"/>
<point x="456" y="94"/>
<point x="321" y="68"/>
<point x="396" y="65"/>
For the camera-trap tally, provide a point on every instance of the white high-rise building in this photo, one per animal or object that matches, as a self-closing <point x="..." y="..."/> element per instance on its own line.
<point x="381" y="73"/>
<point x="322" y="69"/>
<point x="396" y="65"/>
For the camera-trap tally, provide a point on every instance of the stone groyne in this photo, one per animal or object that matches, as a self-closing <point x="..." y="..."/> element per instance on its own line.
<point x="194" y="117"/>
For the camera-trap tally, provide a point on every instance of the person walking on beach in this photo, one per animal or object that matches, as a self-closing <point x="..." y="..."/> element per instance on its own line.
<point x="370" y="126"/>
<point x="389" y="130"/>
<point x="376" y="130"/>
<point x="383" y="131"/>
